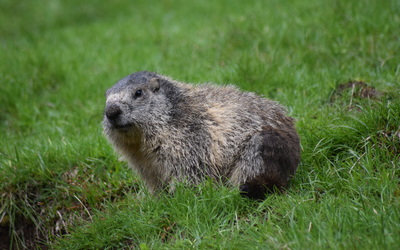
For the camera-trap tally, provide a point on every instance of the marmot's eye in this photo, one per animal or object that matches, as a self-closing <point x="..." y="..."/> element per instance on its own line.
<point x="138" y="93"/>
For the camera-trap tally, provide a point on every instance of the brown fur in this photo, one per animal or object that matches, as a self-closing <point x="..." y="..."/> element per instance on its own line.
<point x="170" y="131"/>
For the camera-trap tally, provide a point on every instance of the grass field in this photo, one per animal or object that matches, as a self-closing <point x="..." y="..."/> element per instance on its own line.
<point x="62" y="186"/>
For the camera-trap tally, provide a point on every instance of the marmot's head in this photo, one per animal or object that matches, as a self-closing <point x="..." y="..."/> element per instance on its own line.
<point x="136" y="103"/>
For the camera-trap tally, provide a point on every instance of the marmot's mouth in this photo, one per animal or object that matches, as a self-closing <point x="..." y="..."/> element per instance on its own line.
<point x="122" y="127"/>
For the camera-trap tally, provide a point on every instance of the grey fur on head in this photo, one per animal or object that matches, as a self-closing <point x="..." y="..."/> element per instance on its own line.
<point x="170" y="131"/>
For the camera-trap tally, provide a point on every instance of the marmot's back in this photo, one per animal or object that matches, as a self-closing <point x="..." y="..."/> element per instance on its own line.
<point x="171" y="131"/>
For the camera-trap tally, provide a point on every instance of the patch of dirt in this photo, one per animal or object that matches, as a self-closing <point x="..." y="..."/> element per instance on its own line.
<point x="26" y="230"/>
<point x="351" y="92"/>
<point x="4" y="237"/>
<point x="50" y="216"/>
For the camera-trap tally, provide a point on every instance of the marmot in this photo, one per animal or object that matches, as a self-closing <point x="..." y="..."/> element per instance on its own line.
<point x="170" y="131"/>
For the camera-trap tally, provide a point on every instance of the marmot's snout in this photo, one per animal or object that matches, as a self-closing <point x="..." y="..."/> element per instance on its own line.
<point x="113" y="111"/>
<point x="114" y="117"/>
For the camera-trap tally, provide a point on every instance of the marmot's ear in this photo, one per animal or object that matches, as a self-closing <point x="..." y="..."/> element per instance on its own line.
<point x="154" y="84"/>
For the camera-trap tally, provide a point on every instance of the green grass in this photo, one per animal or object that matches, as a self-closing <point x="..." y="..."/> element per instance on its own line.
<point x="61" y="185"/>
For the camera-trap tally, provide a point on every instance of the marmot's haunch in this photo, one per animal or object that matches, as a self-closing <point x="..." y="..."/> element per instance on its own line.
<point x="170" y="131"/>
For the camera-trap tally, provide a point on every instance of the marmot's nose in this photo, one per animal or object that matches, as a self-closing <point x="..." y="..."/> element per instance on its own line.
<point x="113" y="111"/>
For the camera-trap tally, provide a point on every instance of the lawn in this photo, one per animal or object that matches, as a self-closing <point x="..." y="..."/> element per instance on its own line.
<point x="334" y="64"/>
